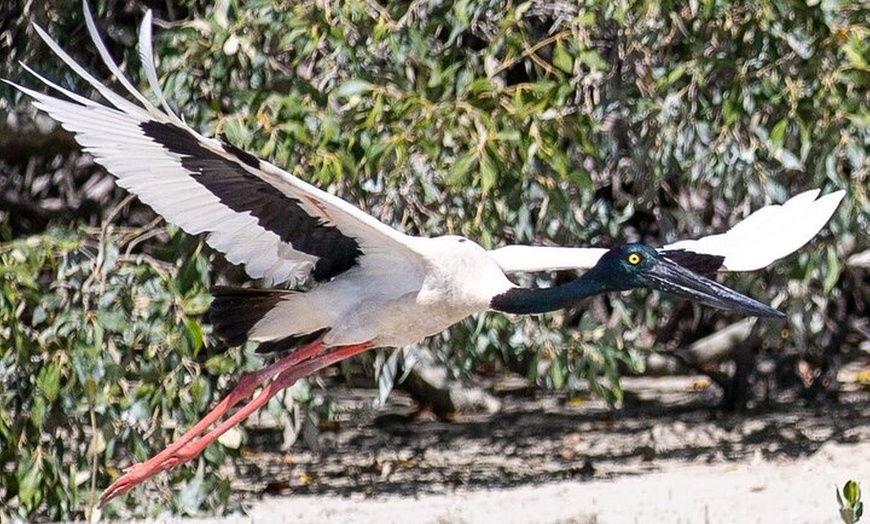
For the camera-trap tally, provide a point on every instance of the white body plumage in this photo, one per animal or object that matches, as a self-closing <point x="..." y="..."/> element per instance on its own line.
<point x="394" y="305"/>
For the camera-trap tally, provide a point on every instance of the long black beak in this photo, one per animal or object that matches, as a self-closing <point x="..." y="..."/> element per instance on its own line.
<point x="670" y="277"/>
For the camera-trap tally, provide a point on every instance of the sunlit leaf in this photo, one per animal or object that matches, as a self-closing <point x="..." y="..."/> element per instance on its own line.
<point x="353" y="88"/>
<point x="29" y="483"/>
<point x="562" y="59"/>
<point x="49" y="381"/>
<point x="220" y="365"/>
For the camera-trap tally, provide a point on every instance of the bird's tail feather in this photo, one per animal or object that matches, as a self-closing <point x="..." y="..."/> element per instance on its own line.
<point x="236" y="310"/>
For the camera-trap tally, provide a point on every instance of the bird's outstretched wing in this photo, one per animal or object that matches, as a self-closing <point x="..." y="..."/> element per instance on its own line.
<point x="279" y="227"/>
<point x="768" y="234"/>
<point x="763" y="237"/>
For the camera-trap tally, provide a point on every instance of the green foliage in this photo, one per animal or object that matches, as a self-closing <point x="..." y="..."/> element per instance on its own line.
<point x="546" y="122"/>
<point x="851" y="507"/>
<point x="497" y="122"/>
<point x="101" y="361"/>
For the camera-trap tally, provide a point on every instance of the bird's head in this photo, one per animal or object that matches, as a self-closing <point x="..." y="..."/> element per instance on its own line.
<point x="632" y="266"/>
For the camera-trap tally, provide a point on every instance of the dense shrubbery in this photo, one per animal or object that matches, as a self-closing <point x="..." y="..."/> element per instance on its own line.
<point x="103" y="354"/>
<point x="537" y="122"/>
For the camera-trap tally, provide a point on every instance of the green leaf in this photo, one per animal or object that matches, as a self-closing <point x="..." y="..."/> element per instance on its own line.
<point x="90" y="390"/>
<point x="38" y="410"/>
<point x="777" y="134"/>
<point x="268" y="148"/>
<point x="562" y="59"/>
<point x="851" y="492"/>
<point x="856" y="52"/>
<point x="196" y="303"/>
<point x="353" y="88"/>
<point x="112" y="320"/>
<point x="195" y="334"/>
<point x="97" y="444"/>
<point x="200" y="391"/>
<point x="731" y="110"/>
<point x="464" y="164"/>
<point x="49" y="381"/>
<point x="488" y="173"/>
<point x="237" y="133"/>
<point x="557" y="374"/>
<point x="220" y="365"/>
<point x="581" y="179"/>
<point x="832" y="273"/>
<point x="593" y="59"/>
<point x="788" y="159"/>
<point x="673" y="76"/>
<point x="29" y="486"/>
<point x="851" y="507"/>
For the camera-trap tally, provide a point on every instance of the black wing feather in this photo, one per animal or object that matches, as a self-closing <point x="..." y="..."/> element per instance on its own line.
<point x="700" y="263"/>
<point x="243" y="192"/>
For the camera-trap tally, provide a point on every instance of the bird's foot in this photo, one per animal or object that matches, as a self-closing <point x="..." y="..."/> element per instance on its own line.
<point x="138" y="473"/>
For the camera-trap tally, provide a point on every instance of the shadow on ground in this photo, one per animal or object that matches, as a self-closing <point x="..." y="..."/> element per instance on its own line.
<point x="537" y="440"/>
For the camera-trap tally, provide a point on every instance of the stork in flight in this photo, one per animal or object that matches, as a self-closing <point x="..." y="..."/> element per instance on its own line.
<point x="376" y="287"/>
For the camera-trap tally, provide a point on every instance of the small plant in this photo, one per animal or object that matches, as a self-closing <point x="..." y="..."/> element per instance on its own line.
<point x="851" y="507"/>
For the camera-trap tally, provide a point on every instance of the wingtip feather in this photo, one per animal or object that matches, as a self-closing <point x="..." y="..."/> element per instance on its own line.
<point x="770" y="233"/>
<point x="796" y="223"/>
<point x="107" y="58"/>
<point x="146" y="55"/>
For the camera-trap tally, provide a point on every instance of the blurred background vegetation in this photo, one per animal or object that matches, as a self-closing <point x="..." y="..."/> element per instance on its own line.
<point x="589" y="123"/>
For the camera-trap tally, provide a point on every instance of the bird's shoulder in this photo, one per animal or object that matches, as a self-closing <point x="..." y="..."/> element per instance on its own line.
<point x="459" y="263"/>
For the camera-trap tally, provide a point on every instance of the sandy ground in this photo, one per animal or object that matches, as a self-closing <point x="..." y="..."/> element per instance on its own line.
<point x="667" y="457"/>
<point x="545" y="460"/>
<point x="794" y="491"/>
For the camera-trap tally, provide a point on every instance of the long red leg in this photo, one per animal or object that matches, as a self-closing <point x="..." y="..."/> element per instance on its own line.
<point x="286" y="371"/>
<point x="281" y="382"/>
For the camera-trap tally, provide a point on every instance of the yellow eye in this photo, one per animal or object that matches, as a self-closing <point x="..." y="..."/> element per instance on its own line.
<point x="633" y="259"/>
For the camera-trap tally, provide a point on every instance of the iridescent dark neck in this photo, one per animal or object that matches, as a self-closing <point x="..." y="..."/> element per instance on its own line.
<point x="522" y="301"/>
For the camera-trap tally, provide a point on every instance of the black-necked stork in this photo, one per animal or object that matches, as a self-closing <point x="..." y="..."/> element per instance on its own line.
<point x="375" y="287"/>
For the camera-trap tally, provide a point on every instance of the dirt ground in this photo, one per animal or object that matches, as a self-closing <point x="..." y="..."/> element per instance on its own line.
<point x="666" y="457"/>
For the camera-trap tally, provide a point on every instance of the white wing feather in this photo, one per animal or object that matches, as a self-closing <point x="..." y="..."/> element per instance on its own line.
<point x="113" y="134"/>
<point x="519" y="259"/>
<point x="763" y="237"/>
<point x="768" y="234"/>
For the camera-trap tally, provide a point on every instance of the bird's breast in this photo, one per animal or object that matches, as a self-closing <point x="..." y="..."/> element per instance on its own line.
<point x="456" y="279"/>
